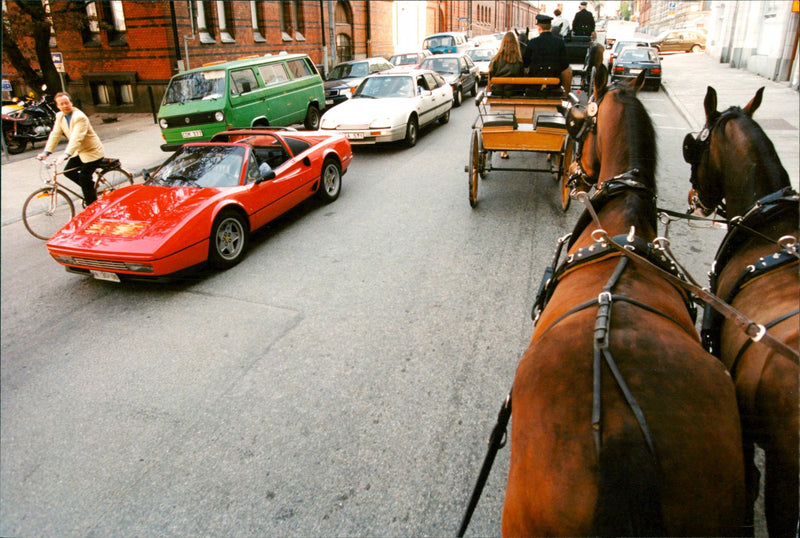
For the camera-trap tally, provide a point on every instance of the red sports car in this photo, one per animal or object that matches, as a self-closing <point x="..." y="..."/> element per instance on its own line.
<point x="201" y="204"/>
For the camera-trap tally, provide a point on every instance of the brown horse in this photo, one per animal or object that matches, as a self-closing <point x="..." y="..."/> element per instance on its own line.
<point x="622" y="424"/>
<point x="735" y="168"/>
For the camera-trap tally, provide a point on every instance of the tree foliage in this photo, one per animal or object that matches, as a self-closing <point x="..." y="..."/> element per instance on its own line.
<point x="27" y="30"/>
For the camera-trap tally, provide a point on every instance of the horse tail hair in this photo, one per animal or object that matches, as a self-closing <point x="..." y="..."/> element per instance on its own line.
<point x="629" y="490"/>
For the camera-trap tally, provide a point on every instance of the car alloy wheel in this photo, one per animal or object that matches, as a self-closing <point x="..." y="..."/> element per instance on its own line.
<point x="228" y="239"/>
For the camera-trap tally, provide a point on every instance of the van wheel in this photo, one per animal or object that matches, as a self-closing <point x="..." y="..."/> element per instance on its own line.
<point x="312" y="118"/>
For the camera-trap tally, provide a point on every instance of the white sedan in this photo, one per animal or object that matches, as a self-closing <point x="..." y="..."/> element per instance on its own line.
<point x="391" y="106"/>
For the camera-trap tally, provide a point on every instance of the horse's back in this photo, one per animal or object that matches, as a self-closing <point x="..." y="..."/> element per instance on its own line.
<point x="555" y="469"/>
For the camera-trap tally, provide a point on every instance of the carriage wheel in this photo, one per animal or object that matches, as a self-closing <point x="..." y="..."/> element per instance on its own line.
<point x="563" y="172"/>
<point x="482" y="159"/>
<point x="474" y="168"/>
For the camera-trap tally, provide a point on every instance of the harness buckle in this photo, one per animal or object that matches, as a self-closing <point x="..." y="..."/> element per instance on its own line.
<point x="760" y="334"/>
<point x="661" y="243"/>
<point x="789" y="242"/>
<point x="599" y="235"/>
<point x="604" y="298"/>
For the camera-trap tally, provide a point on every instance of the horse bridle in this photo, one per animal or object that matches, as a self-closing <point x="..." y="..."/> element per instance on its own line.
<point x="694" y="149"/>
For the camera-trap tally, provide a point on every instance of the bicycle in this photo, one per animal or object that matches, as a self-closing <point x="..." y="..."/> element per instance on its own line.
<point x="48" y="209"/>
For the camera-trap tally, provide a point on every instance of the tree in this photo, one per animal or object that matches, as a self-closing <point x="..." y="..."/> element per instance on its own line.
<point x="625" y="11"/>
<point x="597" y="5"/>
<point x="26" y="35"/>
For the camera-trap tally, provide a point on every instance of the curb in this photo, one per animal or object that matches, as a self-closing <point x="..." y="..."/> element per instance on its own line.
<point x="681" y="109"/>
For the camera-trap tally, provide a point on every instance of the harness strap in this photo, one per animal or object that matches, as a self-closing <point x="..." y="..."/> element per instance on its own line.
<point x="753" y="330"/>
<point x="749" y="378"/>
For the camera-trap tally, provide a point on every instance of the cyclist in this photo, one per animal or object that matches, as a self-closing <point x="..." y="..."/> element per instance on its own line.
<point x="84" y="150"/>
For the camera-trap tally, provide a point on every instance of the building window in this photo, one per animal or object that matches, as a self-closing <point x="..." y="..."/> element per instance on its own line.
<point x="90" y="30"/>
<point x="344" y="48"/>
<point x="292" y="22"/>
<point x="255" y="8"/>
<point x="204" y="24"/>
<point x="112" y="89"/>
<point x="225" y="30"/>
<point x="114" y="16"/>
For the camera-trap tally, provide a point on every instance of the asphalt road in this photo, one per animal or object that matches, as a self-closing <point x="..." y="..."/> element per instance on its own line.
<point x="342" y="380"/>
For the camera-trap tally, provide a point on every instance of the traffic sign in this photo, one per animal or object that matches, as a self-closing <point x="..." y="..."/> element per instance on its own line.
<point x="6" y="85"/>
<point x="58" y="61"/>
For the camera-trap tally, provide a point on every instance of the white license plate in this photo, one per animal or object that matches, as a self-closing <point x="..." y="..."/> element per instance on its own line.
<point x="635" y="71"/>
<point x="328" y="101"/>
<point x="104" y="275"/>
<point x="191" y="134"/>
<point x="355" y="136"/>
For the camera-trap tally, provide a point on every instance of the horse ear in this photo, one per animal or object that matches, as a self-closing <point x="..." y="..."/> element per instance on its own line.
<point x="754" y="103"/>
<point x="600" y="81"/>
<point x="710" y="104"/>
<point x="638" y="83"/>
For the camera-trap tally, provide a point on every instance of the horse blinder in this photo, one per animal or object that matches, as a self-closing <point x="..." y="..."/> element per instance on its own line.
<point x="691" y="149"/>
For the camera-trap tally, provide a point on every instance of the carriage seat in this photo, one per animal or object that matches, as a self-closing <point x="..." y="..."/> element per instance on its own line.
<point x="499" y="119"/>
<point x="554" y="121"/>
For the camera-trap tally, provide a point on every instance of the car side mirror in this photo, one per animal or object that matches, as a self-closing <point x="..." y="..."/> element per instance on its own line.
<point x="266" y="176"/>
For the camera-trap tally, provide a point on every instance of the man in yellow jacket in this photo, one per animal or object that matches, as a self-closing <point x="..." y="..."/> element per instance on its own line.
<point x="84" y="150"/>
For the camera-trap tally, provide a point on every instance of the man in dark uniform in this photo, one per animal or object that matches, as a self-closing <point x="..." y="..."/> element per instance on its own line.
<point x="583" y="22"/>
<point x="546" y="55"/>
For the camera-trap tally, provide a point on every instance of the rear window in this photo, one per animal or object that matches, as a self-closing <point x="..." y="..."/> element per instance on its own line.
<point x="300" y="68"/>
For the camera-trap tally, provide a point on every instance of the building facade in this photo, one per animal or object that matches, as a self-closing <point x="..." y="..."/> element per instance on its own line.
<point x="758" y="35"/>
<point x="120" y="55"/>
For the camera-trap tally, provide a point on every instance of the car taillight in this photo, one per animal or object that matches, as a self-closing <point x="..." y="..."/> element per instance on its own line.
<point x="619" y="69"/>
<point x="655" y="71"/>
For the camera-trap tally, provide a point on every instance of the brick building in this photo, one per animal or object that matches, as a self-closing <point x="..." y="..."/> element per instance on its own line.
<point x="121" y="55"/>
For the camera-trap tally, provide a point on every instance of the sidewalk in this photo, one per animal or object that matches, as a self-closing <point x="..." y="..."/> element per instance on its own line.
<point x="133" y="139"/>
<point x="686" y="78"/>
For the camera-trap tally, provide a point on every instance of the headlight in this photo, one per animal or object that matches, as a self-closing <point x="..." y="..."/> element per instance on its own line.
<point x="381" y="123"/>
<point x="139" y="267"/>
<point x="163" y="123"/>
<point x="219" y="116"/>
<point x="327" y="123"/>
<point x="64" y="259"/>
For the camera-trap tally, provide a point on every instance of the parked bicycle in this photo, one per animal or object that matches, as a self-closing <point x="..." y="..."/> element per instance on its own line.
<point x="48" y="209"/>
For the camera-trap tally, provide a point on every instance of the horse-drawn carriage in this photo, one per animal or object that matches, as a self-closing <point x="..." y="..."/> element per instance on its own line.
<point x="521" y="114"/>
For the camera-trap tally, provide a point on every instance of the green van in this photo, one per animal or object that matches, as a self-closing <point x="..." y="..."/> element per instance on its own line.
<point x="271" y="90"/>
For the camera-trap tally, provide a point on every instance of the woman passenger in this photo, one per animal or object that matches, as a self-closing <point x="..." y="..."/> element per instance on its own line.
<point x="506" y="63"/>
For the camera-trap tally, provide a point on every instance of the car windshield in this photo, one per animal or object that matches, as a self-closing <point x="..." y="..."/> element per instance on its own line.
<point x="439" y="41"/>
<point x="349" y="71"/>
<point x="202" y="166"/>
<point x="638" y="55"/>
<point x="195" y="86"/>
<point x="375" y="87"/>
<point x="480" y="55"/>
<point x="441" y="65"/>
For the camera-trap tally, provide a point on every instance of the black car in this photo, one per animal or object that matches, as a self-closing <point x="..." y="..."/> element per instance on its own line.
<point x="458" y="70"/>
<point x="633" y="60"/>
<point x="345" y="77"/>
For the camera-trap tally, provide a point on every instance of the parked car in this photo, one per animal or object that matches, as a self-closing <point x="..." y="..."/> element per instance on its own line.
<point x="680" y="41"/>
<point x="458" y="70"/>
<point x="617" y="47"/>
<point x="410" y="59"/>
<point x="201" y="204"/>
<point x="280" y="89"/>
<point x="482" y="56"/>
<point x="633" y="60"/>
<point x="446" y="42"/>
<point x="391" y="106"/>
<point x="344" y="78"/>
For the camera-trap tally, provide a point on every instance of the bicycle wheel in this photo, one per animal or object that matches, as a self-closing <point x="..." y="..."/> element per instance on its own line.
<point x="112" y="179"/>
<point x="46" y="211"/>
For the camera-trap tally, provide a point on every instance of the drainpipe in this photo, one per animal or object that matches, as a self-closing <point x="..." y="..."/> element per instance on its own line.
<point x="324" y="41"/>
<point x="369" y="32"/>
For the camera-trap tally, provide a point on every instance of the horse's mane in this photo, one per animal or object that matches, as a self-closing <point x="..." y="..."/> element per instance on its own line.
<point x="641" y="144"/>
<point x="761" y="150"/>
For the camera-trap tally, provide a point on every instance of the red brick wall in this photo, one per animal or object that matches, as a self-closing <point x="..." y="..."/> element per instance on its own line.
<point x="153" y="48"/>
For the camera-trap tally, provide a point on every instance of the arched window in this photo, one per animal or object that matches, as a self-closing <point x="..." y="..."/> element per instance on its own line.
<point x="343" y="18"/>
